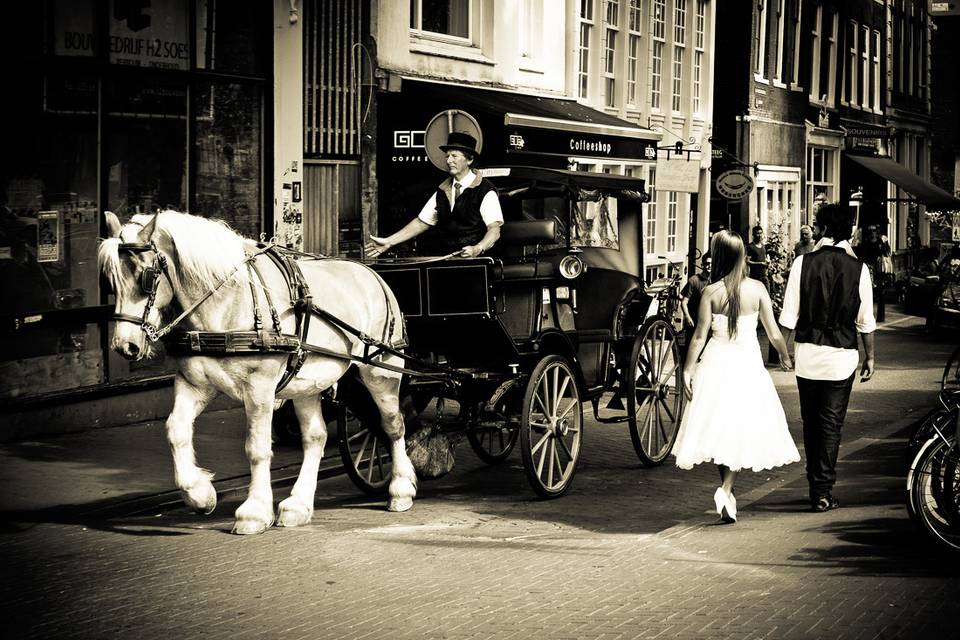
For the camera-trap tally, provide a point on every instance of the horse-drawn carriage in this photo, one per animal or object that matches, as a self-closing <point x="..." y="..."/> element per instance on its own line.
<point x="519" y="340"/>
<point x="558" y="315"/>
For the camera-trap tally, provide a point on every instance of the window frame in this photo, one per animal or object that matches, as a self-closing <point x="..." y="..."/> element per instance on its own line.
<point x="419" y="32"/>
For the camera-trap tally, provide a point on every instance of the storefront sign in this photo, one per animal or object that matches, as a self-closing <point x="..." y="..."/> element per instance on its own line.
<point x="678" y="172"/>
<point x="48" y="236"/>
<point x="149" y="34"/>
<point x="732" y="185"/>
<point x="553" y="142"/>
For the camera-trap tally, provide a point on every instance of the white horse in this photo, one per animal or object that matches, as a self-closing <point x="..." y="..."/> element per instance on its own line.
<point x="182" y="257"/>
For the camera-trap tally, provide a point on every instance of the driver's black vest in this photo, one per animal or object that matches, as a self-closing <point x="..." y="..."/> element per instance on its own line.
<point x="829" y="298"/>
<point x="462" y="225"/>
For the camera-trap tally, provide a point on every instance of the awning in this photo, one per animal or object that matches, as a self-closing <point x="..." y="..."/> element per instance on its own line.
<point x="537" y="125"/>
<point x="924" y="192"/>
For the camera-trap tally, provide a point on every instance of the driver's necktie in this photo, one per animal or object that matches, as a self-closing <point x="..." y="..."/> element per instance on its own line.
<point x="456" y="192"/>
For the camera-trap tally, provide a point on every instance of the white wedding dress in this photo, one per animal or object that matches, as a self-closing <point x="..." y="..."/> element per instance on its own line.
<point x="735" y="417"/>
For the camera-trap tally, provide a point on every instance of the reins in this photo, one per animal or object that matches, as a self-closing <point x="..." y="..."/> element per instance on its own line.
<point x="260" y="340"/>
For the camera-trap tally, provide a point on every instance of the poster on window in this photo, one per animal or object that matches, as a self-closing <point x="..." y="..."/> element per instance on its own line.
<point x="149" y="34"/>
<point x="595" y="224"/>
<point x="48" y="236"/>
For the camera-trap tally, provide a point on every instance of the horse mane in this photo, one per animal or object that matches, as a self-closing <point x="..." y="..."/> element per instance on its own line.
<point x="208" y="250"/>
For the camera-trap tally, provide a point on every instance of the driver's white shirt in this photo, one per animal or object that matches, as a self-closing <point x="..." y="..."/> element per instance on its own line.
<point x="490" y="210"/>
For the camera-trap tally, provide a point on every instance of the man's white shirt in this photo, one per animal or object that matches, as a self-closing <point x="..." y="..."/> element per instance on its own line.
<point x="823" y="362"/>
<point x="490" y="210"/>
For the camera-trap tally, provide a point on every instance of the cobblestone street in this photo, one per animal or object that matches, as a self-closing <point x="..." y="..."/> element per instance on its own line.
<point x="628" y="553"/>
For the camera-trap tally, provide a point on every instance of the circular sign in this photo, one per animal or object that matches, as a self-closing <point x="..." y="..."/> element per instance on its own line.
<point x="441" y="126"/>
<point x="734" y="184"/>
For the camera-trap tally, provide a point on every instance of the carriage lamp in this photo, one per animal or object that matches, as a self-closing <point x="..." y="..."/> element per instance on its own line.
<point x="571" y="266"/>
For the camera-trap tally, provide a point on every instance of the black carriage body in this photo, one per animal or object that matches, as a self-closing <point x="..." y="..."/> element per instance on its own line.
<point x="498" y="314"/>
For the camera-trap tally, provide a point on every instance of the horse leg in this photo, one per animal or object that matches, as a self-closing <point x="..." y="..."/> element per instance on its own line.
<point x="255" y="515"/>
<point x="194" y="483"/>
<point x="384" y="386"/>
<point x="297" y="510"/>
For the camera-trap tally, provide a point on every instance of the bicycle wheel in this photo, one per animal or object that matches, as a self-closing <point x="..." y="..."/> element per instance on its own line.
<point x="951" y="372"/>
<point x="933" y="487"/>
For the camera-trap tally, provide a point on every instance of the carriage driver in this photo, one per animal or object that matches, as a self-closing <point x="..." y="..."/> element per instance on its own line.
<point x="464" y="209"/>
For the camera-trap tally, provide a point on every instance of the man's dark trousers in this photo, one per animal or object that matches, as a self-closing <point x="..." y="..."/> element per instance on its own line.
<point x="823" y="407"/>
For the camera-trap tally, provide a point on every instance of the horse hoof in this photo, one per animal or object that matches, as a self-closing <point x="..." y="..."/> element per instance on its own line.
<point x="400" y="505"/>
<point x="293" y="514"/>
<point x="202" y="502"/>
<point x="249" y="528"/>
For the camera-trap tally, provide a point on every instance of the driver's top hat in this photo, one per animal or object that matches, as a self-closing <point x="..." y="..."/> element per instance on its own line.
<point x="462" y="141"/>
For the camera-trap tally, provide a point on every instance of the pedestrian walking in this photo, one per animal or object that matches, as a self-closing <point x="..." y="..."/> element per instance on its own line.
<point x="691" y="294"/>
<point x="735" y="418"/>
<point x="757" y="258"/>
<point x="828" y="301"/>
<point x="806" y="243"/>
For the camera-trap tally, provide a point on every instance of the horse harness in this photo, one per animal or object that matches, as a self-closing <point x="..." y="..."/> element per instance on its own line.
<point x="261" y="339"/>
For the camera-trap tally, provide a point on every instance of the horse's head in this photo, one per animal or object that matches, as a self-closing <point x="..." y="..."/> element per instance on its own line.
<point x="134" y="262"/>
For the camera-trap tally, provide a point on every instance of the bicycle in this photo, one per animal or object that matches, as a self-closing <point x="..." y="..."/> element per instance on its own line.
<point x="667" y="298"/>
<point x="933" y="481"/>
<point x="951" y="372"/>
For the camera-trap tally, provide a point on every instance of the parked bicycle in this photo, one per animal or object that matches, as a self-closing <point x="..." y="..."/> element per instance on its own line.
<point x="933" y="482"/>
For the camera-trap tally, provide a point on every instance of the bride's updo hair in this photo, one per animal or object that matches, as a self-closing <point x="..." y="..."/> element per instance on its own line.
<point x="729" y="265"/>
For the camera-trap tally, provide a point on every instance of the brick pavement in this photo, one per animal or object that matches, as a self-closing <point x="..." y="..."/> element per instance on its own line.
<point x="628" y="553"/>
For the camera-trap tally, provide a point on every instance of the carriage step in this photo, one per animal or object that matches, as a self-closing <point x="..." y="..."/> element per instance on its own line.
<point x="611" y="419"/>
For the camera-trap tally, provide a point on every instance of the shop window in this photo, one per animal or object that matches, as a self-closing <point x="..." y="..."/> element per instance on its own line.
<point x="228" y="37"/>
<point x="227" y="151"/>
<point x="48" y="232"/>
<point x="146" y="137"/>
<point x="441" y="17"/>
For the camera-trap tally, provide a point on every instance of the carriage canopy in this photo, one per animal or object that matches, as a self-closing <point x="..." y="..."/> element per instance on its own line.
<point x="599" y="213"/>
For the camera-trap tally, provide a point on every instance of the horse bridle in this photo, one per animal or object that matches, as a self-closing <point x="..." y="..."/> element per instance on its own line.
<point x="149" y="284"/>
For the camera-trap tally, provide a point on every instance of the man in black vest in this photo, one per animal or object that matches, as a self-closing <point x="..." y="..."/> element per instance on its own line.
<point x="828" y="301"/>
<point x="465" y="209"/>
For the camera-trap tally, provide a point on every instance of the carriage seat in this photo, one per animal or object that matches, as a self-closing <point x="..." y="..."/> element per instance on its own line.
<point x="522" y="234"/>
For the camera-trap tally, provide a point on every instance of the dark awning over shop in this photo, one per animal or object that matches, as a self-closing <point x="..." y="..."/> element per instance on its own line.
<point x="534" y="125"/>
<point x="924" y="192"/>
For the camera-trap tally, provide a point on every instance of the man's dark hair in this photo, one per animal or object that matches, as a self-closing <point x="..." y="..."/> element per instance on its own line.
<point x="758" y="228"/>
<point x="835" y="221"/>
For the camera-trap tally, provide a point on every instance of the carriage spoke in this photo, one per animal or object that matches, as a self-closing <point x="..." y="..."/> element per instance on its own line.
<point x="554" y="403"/>
<point x="566" y="450"/>
<point x="363" y="447"/>
<point x="543" y="454"/>
<point x="552" y="452"/>
<point x="543" y="409"/>
<point x="563" y="390"/>
<point x="373" y="454"/>
<point x="661" y="401"/>
<point x="560" y="465"/>
<point x="540" y="443"/>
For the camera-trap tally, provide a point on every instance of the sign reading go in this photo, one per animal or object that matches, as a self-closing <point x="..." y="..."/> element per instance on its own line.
<point x="734" y="184"/>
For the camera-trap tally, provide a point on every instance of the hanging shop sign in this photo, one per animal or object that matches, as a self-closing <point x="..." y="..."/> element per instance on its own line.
<point x="732" y="185"/>
<point x="678" y="172"/>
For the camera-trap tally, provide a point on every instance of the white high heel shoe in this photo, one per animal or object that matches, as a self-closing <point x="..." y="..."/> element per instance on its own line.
<point x="726" y="505"/>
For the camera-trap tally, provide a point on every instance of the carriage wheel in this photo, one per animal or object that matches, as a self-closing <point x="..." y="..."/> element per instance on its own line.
<point x="494" y="434"/>
<point x="654" y="391"/>
<point x="551" y="427"/>
<point x="364" y="450"/>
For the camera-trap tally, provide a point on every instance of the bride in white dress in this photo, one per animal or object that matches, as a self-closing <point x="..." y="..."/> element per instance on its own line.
<point x="734" y="418"/>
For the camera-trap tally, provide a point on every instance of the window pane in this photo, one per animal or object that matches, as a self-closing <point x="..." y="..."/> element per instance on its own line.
<point x="228" y="37"/>
<point x="49" y="231"/>
<point x="146" y="145"/>
<point x="228" y="154"/>
<point x="450" y="17"/>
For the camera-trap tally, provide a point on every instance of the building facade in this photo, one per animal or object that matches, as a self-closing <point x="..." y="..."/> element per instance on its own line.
<point x="829" y="102"/>
<point x="131" y="108"/>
